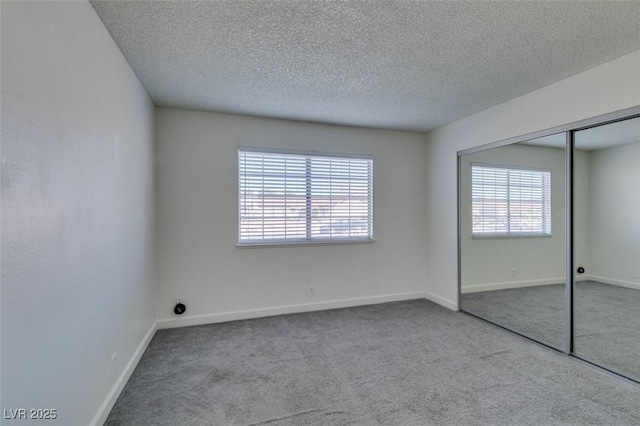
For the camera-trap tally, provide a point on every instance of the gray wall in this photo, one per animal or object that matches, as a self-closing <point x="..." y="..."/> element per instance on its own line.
<point x="77" y="211"/>
<point x="197" y="208"/>
<point x="614" y="216"/>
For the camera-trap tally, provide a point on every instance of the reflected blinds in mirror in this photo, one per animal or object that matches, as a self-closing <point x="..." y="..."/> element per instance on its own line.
<point x="510" y="201"/>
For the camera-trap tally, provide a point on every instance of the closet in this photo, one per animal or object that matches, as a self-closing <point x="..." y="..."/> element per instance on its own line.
<point x="549" y="238"/>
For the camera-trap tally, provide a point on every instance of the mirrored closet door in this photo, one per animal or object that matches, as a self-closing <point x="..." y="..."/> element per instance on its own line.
<point x="607" y="245"/>
<point x="512" y="237"/>
<point x="549" y="238"/>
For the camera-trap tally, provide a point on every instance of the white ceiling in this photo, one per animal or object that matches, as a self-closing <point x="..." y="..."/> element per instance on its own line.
<point x="410" y="65"/>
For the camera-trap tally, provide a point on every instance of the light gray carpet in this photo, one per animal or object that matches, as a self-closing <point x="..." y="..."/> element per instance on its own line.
<point x="607" y="319"/>
<point x="537" y="312"/>
<point x="402" y="363"/>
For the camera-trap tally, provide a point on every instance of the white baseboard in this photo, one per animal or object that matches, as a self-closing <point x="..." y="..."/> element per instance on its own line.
<point x="533" y="283"/>
<point x="613" y="281"/>
<point x="112" y="397"/>
<point x="288" y="309"/>
<point x="511" y="284"/>
<point x="583" y="277"/>
<point x="441" y="301"/>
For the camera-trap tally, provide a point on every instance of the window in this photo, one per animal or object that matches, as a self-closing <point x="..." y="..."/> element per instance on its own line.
<point x="510" y="201"/>
<point x="292" y="197"/>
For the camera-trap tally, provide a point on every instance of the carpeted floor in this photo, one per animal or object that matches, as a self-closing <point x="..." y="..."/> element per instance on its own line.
<point x="607" y="319"/>
<point x="537" y="312"/>
<point x="401" y="363"/>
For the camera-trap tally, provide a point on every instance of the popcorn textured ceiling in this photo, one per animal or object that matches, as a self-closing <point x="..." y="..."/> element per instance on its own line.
<point x="409" y="65"/>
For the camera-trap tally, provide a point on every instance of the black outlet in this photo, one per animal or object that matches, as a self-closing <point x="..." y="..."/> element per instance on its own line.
<point x="580" y="270"/>
<point x="179" y="309"/>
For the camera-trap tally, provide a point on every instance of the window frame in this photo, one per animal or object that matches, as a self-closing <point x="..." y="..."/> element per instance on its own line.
<point x="509" y="234"/>
<point x="302" y="242"/>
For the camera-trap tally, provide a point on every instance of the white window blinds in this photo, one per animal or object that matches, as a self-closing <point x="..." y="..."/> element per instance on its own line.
<point x="290" y="197"/>
<point x="510" y="201"/>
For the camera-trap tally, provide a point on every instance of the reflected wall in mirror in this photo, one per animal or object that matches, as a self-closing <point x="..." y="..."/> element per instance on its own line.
<point x="607" y="245"/>
<point x="512" y="237"/>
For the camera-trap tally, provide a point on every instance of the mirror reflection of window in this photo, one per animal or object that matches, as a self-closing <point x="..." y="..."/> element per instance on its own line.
<point x="510" y="201"/>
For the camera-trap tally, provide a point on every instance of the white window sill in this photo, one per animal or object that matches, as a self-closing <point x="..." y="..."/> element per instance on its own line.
<point x="303" y="243"/>
<point x="501" y="236"/>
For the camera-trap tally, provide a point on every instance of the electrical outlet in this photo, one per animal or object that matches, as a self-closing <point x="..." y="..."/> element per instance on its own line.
<point x="312" y="291"/>
<point x="514" y="273"/>
<point x="114" y="359"/>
